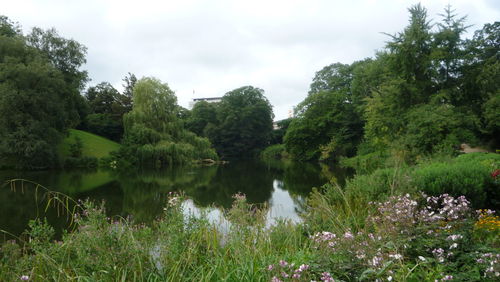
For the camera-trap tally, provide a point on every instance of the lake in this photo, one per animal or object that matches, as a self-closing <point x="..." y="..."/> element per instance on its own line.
<point x="141" y="195"/>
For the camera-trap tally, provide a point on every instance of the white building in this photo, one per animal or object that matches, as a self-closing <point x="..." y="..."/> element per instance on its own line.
<point x="209" y="100"/>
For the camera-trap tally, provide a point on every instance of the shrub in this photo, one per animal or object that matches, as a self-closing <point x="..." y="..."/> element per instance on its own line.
<point x="82" y="162"/>
<point x="366" y="163"/>
<point x="468" y="175"/>
<point x="274" y="152"/>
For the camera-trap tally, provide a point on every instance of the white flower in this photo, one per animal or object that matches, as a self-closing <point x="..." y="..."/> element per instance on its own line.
<point x="421" y="258"/>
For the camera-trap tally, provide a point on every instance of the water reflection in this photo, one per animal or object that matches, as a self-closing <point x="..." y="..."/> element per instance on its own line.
<point x="142" y="194"/>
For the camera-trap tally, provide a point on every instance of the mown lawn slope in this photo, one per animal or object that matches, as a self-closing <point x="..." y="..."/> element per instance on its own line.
<point x="93" y="145"/>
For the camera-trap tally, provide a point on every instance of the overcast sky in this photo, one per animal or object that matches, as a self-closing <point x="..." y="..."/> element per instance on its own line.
<point x="211" y="47"/>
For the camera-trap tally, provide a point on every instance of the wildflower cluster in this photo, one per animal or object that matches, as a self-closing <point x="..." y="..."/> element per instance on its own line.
<point x="285" y="271"/>
<point x="396" y="215"/>
<point x="444" y="208"/>
<point x="364" y="249"/>
<point x="397" y="225"/>
<point x="487" y="220"/>
<point x="173" y="199"/>
<point x="491" y="264"/>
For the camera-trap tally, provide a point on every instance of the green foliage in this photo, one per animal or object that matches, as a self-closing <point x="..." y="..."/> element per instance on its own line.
<point x="328" y="126"/>
<point x="39" y="84"/>
<point x="154" y="133"/>
<point x="40" y="233"/>
<point x="8" y="28"/>
<point x="273" y="152"/>
<point x="107" y="107"/>
<point x="102" y="98"/>
<point x="244" y="123"/>
<point x="411" y="56"/>
<point x="329" y="122"/>
<point x="435" y="128"/>
<point x="105" y="125"/>
<point x="366" y="163"/>
<point x="31" y="118"/>
<point x="468" y="175"/>
<point x="202" y="115"/>
<point x="67" y="56"/>
<point x="75" y="149"/>
<point x="126" y="99"/>
<point x="81" y="162"/>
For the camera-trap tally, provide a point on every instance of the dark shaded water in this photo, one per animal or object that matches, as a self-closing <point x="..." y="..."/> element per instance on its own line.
<point x="142" y="195"/>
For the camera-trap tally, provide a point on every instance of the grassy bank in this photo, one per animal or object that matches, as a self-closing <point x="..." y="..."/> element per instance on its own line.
<point x="380" y="226"/>
<point x="92" y="145"/>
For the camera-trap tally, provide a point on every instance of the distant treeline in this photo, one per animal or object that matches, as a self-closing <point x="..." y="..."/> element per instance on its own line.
<point x="42" y="95"/>
<point x="426" y="92"/>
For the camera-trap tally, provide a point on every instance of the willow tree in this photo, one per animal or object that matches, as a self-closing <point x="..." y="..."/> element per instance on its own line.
<point x="154" y="135"/>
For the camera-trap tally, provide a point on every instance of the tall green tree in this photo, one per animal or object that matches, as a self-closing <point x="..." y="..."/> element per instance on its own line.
<point x="448" y="49"/>
<point x="481" y="87"/>
<point x="68" y="56"/>
<point x="327" y="123"/>
<point x="128" y="87"/>
<point x="106" y="111"/>
<point x="203" y="116"/>
<point x="244" y="127"/>
<point x="102" y="98"/>
<point x="411" y="58"/>
<point x="33" y="103"/>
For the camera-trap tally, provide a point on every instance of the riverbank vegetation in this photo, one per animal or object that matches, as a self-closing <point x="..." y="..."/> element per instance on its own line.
<point x="394" y="231"/>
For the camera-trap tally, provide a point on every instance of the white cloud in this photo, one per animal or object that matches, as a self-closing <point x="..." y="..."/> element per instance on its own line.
<point x="215" y="46"/>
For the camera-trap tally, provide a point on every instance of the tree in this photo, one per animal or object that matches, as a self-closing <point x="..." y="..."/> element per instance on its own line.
<point x="483" y="85"/>
<point x="329" y="128"/>
<point x="9" y="28"/>
<point x="102" y="97"/>
<point x="128" y="87"/>
<point x="411" y="58"/>
<point x="328" y="124"/>
<point x="31" y="116"/>
<point x="107" y="107"/>
<point x="66" y="55"/>
<point x="448" y="49"/>
<point x="333" y="77"/>
<point x="154" y="134"/>
<point x="244" y="123"/>
<point x="202" y="115"/>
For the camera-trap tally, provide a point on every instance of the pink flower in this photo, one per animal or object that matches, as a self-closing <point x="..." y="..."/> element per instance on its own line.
<point x="275" y="279"/>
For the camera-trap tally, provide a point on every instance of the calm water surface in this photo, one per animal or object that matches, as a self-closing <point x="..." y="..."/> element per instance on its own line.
<point x="142" y="195"/>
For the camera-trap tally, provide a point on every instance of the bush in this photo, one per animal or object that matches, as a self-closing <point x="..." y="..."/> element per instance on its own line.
<point x="82" y="162"/>
<point x="468" y="175"/>
<point x="105" y="125"/>
<point x="380" y="184"/>
<point x="366" y="163"/>
<point x="274" y="152"/>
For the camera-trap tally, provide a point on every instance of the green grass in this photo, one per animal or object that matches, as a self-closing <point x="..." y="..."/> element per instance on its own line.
<point x="93" y="145"/>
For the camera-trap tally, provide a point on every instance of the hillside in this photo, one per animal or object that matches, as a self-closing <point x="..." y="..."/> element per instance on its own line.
<point x="93" y="145"/>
